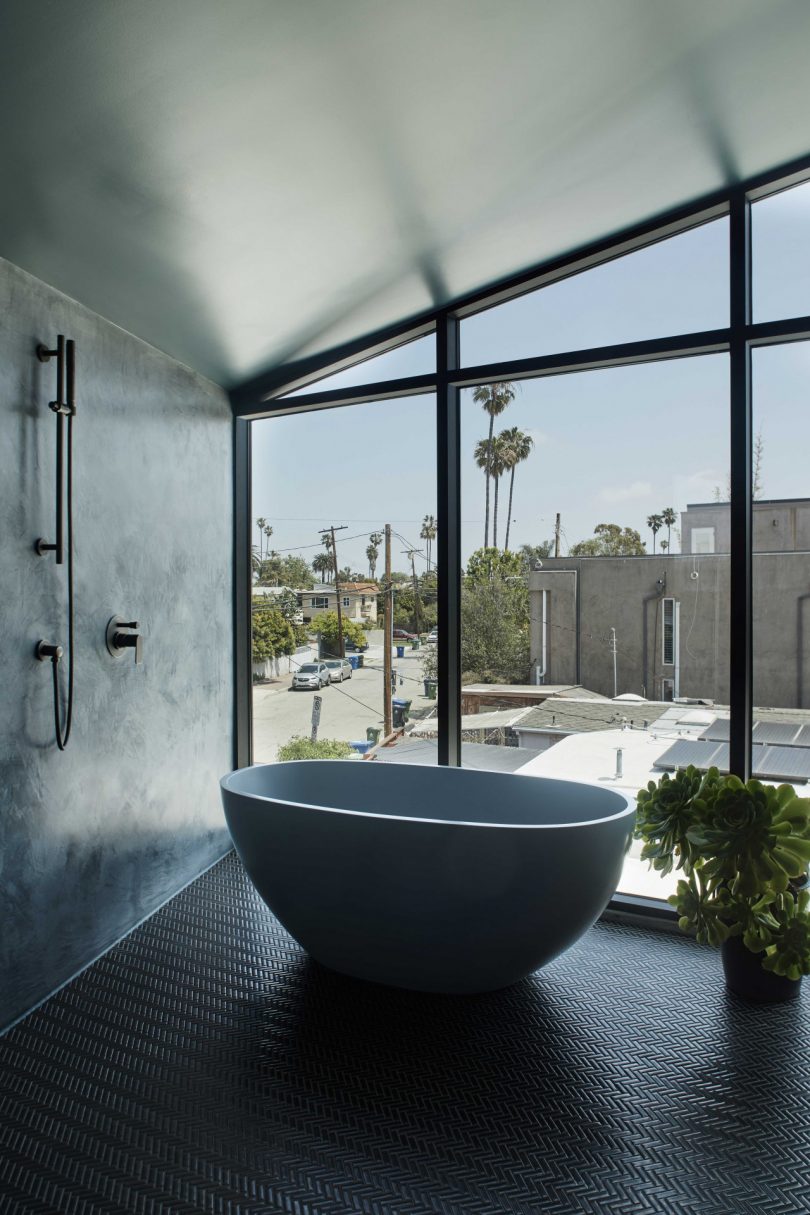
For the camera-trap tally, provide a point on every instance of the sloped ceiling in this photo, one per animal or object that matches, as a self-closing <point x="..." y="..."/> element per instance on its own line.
<point x="246" y="183"/>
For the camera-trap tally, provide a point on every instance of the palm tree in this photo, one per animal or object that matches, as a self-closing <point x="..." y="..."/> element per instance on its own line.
<point x="482" y="457"/>
<point x="262" y="526"/>
<point x="372" y="553"/>
<point x="428" y="534"/>
<point x="494" y="399"/>
<point x="497" y="467"/>
<point x="655" y="523"/>
<point x="664" y="545"/>
<point x="517" y="448"/>
<point x="322" y="564"/>
<point x="669" y="518"/>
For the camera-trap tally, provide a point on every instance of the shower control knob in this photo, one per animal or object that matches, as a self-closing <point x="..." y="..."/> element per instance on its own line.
<point x="119" y="642"/>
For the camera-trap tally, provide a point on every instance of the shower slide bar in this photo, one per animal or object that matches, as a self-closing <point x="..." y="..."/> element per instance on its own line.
<point x="65" y="409"/>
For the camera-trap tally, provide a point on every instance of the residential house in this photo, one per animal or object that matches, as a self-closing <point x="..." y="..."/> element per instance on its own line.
<point x="358" y="602"/>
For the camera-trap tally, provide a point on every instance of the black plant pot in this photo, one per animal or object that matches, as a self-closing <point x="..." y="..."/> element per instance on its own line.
<point x="746" y="978"/>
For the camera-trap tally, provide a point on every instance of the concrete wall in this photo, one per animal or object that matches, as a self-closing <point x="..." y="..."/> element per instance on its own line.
<point x="94" y="839"/>
<point x="625" y="593"/>
<point x="780" y="525"/>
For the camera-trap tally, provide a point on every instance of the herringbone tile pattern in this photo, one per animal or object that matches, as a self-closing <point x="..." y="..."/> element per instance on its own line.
<point x="204" y="1065"/>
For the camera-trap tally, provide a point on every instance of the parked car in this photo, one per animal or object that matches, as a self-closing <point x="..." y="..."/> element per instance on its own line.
<point x="433" y="637"/>
<point x="339" y="669"/>
<point x="352" y="646"/>
<point x="311" y="675"/>
<point x="403" y="635"/>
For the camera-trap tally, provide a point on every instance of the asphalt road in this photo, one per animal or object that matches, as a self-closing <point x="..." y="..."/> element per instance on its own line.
<point x="347" y="708"/>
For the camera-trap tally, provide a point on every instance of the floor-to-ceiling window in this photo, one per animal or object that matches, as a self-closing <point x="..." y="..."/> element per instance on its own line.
<point x="590" y="568"/>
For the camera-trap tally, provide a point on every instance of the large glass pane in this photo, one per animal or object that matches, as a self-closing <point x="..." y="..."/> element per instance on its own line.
<point x="597" y="664"/>
<point x="414" y="358"/>
<point x="369" y="471"/>
<point x="781" y="566"/>
<point x="679" y="285"/>
<point x="780" y="235"/>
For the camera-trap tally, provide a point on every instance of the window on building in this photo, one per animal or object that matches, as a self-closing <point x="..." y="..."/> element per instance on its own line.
<point x="345" y="600"/>
<point x="702" y="539"/>
<point x="670" y="633"/>
<point x="319" y="601"/>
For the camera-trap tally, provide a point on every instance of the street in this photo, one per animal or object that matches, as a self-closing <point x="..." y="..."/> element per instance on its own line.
<point x="347" y="708"/>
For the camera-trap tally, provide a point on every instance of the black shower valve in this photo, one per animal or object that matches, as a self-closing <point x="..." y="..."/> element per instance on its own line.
<point x="119" y="642"/>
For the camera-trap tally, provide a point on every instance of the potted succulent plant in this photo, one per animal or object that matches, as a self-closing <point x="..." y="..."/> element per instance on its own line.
<point x="743" y="849"/>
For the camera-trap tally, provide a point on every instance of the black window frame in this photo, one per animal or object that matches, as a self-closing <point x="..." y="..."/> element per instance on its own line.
<point x="259" y="398"/>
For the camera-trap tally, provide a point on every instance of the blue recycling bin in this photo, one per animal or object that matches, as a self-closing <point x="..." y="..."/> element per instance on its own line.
<point x="354" y="659"/>
<point x="361" y="746"/>
<point x="399" y="711"/>
<point x="400" y="651"/>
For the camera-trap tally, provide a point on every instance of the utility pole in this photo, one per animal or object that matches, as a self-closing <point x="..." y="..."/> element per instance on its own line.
<point x="333" y="529"/>
<point x="388" y="625"/>
<point x="557" y="535"/>
<point x="613" y="652"/>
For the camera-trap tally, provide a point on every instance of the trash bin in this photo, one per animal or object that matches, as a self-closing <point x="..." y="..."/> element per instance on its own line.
<point x="361" y="660"/>
<point x="399" y="711"/>
<point x="431" y="688"/>
<point x="354" y="659"/>
<point x="360" y="746"/>
<point x="400" y="651"/>
<point x="373" y="734"/>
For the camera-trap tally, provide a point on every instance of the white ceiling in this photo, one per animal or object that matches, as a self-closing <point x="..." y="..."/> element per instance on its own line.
<point x="244" y="182"/>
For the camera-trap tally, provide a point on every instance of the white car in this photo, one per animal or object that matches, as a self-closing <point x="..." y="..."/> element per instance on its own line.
<point x="433" y="637"/>
<point x="339" y="669"/>
<point x="311" y="675"/>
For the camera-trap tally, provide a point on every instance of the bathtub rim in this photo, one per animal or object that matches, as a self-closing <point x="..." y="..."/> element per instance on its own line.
<point x="629" y="809"/>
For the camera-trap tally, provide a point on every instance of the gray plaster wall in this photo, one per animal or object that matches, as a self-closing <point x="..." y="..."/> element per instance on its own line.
<point x="621" y="592"/>
<point x="94" y="839"/>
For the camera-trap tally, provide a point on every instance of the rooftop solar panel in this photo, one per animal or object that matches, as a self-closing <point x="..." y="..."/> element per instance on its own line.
<point x="783" y="763"/>
<point x="690" y="751"/>
<point x="783" y="733"/>
<point x="717" y="730"/>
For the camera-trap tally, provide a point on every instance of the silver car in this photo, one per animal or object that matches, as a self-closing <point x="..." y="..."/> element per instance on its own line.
<point x="311" y="675"/>
<point x="339" y="669"/>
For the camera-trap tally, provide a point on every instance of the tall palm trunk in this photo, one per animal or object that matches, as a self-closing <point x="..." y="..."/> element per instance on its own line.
<point x="487" y="474"/>
<point x="495" y="515"/>
<point x="509" y="515"/>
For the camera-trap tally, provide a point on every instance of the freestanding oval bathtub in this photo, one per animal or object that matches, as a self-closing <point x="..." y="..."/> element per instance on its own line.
<point x="432" y="878"/>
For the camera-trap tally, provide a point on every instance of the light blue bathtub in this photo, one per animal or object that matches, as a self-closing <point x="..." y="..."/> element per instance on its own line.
<point x="437" y="879"/>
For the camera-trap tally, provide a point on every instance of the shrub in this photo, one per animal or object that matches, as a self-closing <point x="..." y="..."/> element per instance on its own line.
<point x="322" y="748"/>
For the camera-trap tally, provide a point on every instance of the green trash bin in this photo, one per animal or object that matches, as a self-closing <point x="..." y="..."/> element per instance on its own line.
<point x="373" y="734"/>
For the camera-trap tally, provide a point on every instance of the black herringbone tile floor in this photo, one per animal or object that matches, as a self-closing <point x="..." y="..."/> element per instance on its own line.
<point x="205" y="1065"/>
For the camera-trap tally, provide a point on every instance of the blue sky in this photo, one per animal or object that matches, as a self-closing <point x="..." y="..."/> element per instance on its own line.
<point x="609" y="446"/>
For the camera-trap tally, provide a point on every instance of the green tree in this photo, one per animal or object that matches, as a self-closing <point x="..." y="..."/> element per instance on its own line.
<point x="495" y="631"/>
<point x="610" y="540"/>
<point x="655" y="523"/>
<point x="305" y="748"/>
<point x="327" y="626"/>
<point x="530" y="554"/>
<point x="289" y="570"/>
<point x="488" y="564"/>
<point x="493" y="398"/>
<point x="517" y="447"/>
<point x="272" y="635"/>
<point x="408" y="615"/>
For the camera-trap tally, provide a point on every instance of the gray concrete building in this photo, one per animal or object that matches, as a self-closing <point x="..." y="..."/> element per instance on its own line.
<point x="781" y="525"/>
<point x="658" y="625"/>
